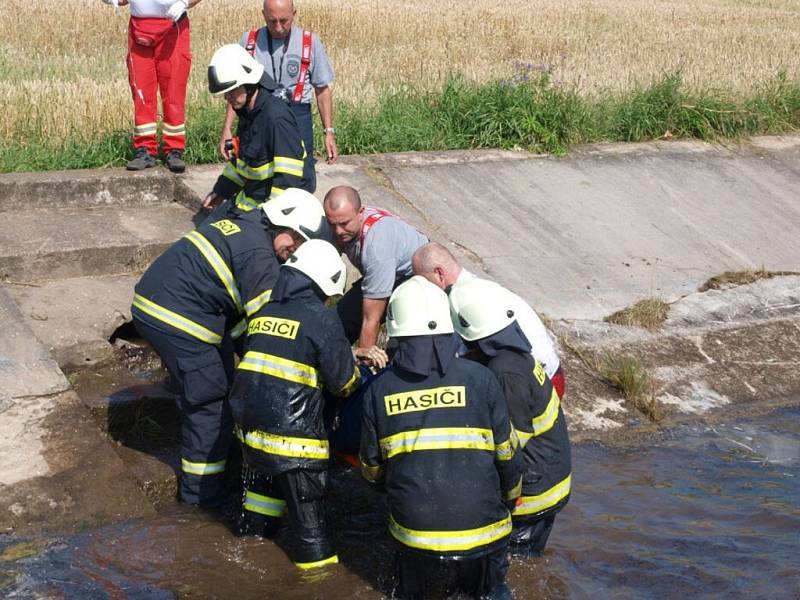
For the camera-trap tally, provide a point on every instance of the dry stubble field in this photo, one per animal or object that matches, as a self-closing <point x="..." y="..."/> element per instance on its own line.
<point x="62" y="71"/>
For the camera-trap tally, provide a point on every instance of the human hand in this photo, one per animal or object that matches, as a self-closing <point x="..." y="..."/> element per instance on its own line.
<point x="373" y="356"/>
<point x="223" y="145"/>
<point x="211" y="201"/>
<point x="176" y="10"/>
<point x="330" y="148"/>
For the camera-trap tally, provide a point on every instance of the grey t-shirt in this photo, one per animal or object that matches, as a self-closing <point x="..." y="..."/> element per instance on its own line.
<point x="320" y="71"/>
<point x="388" y="247"/>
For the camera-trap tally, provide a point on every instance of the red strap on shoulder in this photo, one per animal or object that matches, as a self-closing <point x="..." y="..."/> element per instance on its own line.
<point x="251" y="42"/>
<point x="305" y="61"/>
<point x="369" y="222"/>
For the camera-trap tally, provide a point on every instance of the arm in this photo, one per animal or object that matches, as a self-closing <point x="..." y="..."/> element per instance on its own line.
<point x="373" y="311"/>
<point x="369" y="454"/>
<point x="508" y="460"/>
<point x="227" y="131"/>
<point x="325" y="107"/>
<point x="339" y="371"/>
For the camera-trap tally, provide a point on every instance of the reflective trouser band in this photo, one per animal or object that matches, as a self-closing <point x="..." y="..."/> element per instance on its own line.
<point x="515" y="491"/>
<point x="230" y="173"/>
<point x="175" y="320"/>
<point x="245" y="203"/>
<point x="217" y="263"/>
<point x="201" y="468"/>
<point x="437" y="438"/>
<point x="174" y="130"/>
<point x="369" y="472"/>
<point x="264" y="505"/>
<point x="290" y="166"/>
<point x="145" y="129"/>
<point x="450" y="541"/>
<point x="253" y="306"/>
<point x="331" y="560"/>
<point x="282" y="445"/>
<point x="545" y="421"/>
<point x="282" y="368"/>
<point x="531" y="505"/>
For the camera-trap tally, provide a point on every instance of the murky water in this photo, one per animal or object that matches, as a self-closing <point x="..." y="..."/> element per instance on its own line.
<point x="700" y="513"/>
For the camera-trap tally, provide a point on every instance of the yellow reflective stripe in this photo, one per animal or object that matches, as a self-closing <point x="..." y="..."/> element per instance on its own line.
<point x="505" y="450"/>
<point x="231" y="174"/>
<point x="275" y="192"/>
<point x="529" y="505"/>
<point x="179" y="129"/>
<point x="523" y="436"/>
<point x="450" y="541"/>
<point x="244" y="203"/>
<point x="290" y="166"/>
<point x="348" y="387"/>
<point x="282" y="368"/>
<point x="239" y="329"/>
<point x="201" y="468"/>
<point x="437" y="438"/>
<point x="369" y="472"/>
<point x="259" y="173"/>
<point x="264" y="505"/>
<point x="217" y="263"/>
<point x="175" y="320"/>
<point x="145" y="129"/>
<point x="545" y="421"/>
<point x="283" y="445"/>
<point x="331" y="560"/>
<point x="254" y="305"/>
<point x="515" y="491"/>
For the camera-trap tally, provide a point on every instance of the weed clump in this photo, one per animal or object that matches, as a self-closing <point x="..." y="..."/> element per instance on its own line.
<point x="730" y="279"/>
<point x="633" y="380"/>
<point x="649" y="313"/>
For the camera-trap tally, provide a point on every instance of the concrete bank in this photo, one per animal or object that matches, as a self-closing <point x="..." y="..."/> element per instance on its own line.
<point x="580" y="237"/>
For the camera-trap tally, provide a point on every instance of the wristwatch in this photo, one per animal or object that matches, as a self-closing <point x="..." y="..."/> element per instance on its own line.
<point x="329" y="130"/>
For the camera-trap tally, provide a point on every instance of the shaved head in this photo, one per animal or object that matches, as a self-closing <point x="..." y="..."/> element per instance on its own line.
<point x="279" y="17"/>
<point x="342" y="195"/>
<point x="344" y="212"/>
<point x="436" y="264"/>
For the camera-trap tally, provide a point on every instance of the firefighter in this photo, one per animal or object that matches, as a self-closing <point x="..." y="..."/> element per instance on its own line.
<point x="435" y="430"/>
<point x="295" y="347"/>
<point x="268" y="154"/>
<point x="485" y="318"/>
<point x="192" y="300"/>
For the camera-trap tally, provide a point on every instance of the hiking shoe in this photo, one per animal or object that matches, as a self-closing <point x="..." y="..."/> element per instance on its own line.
<point x="175" y="162"/>
<point x="141" y="160"/>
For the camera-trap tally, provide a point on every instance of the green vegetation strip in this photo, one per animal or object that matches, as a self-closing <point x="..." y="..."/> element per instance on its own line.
<point x="530" y="112"/>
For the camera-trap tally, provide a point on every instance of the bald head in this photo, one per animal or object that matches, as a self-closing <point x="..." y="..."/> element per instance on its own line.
<point x="340" y="196"/>
<point x="344" y="212"/>
<point x="436" y="264"/>
<point x="279" y="17"/>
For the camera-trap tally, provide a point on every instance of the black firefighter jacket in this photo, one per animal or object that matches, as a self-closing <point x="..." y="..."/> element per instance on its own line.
<point x="204" y="284"/>
<point x="445" y="446"/>
<point x="270" y="157"/>
<point x="294" y="348"/>
<point x="536" y="414"/>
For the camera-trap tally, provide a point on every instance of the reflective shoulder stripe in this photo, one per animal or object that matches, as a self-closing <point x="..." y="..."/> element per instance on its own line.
<point x="200" y="468"/>
<point x="282" y="368"/>
<point x="260" y="173"/>
<point x="437" y="438"/>
<point x="331" y="560"/>
<point x="450" y="541"/>
<point x="175" y="320"/>
<point x="230" y="173"/>
<point x="369" y="472"/>
<point x="290" y="166"/>
<point x="245" y="203"/>
<point x="515" y="491"/>
<point x="217" y="263"/>
<point x="531" y="505"/>
<point x="283" y="445"/>
<point x="545" y="421"/>
<point x="253" y="306"/>
<point x="264" y="505"/>
<point x="239" y="329"/>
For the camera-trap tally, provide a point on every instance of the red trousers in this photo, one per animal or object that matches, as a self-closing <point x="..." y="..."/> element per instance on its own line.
<point x="159" y="60"/>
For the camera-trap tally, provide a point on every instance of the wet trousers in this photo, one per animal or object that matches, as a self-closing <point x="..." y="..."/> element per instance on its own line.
<point x="483" y="578"/>
<point x="302" y="114"/>
<point x="201" y="373"/>
<point x="299" y="495"/>
<point x="529" y="536"/>
<point x="159" y="61"/>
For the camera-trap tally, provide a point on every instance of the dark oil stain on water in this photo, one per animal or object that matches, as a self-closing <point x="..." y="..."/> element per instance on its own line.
<point x="701" y="512"/>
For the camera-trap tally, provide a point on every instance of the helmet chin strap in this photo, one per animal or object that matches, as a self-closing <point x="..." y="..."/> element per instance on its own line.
<point x="251" y="90"/>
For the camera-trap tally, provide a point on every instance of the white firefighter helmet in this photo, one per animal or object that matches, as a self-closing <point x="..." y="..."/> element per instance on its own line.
<point x="480" y="308"/>
<point x="230" y="67"/>
<point x="298" y="210"/>
<point x="418" y="307"/>
<point x="322" y="263"/>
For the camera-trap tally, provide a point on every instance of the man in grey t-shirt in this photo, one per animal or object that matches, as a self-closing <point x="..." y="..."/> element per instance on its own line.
<point x="279" y="47"/>
<point x="380" y="246"/>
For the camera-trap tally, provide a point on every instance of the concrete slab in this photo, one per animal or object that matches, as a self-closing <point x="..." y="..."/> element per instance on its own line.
<point x="40" y="245"/>
<point x="57" y="314"/>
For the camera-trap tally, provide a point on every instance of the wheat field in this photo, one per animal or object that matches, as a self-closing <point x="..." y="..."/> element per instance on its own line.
<point x="62" y="65"/>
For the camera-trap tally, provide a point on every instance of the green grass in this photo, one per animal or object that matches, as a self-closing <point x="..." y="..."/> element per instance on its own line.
<point x="530" y="112"/>
<point x="633" y="380"/>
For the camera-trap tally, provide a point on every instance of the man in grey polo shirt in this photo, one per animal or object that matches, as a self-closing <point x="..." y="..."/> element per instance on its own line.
<point x="279" y="47"/>
<point x="380" y="246"/>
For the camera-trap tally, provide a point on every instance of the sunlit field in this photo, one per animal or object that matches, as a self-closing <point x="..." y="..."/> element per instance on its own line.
<point x="63" y="76"/>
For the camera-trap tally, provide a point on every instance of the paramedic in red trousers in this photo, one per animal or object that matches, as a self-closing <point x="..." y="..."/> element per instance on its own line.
<point x="484" y="316"/>
<point x="435" y="430"/>
<point x="295" y="348"/>
<point x="295" y="62"/>
<point x="159" y="60"/>
<point x="269" y="153"/>
<point x="379" y="245"/>
<point x="435" y="262"/>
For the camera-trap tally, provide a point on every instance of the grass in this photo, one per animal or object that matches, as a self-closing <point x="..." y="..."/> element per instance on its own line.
<point x="543" y="74"/>
<point x="649" y="313"/>
<point x="633" y="380"/>
<point x="730" y="279"/>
